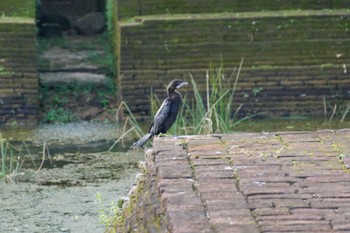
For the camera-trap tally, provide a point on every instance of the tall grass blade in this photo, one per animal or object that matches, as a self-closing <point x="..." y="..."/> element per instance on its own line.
<point x="120" y="138"/>
<point x="325" y="107"/>
<point x="333" y="113"/>
<point x="347" y="109"/>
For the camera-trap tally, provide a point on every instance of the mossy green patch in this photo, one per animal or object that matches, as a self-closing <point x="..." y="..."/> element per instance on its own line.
<point x="18" y="8"/>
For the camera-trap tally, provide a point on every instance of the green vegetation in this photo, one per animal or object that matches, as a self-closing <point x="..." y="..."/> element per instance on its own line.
<point x="59" y="115"/>
<point x="111" y="16"/>
<point x="110" y="213"/>
<point x="127" y="205"/>
<point x="113" y="34"/>
<point x="3" y="71"/>
<point x="61" y="101"/>
<point x="18" y="8"/>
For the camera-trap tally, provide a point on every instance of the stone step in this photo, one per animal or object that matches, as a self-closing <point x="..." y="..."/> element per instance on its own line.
<point x="54" y="78"/>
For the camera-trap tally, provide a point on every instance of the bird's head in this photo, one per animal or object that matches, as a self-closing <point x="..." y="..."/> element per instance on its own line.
<point x="176" y="84"/>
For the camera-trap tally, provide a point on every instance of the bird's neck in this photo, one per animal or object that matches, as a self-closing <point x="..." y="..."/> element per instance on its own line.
<point x="170" y="92"/>
<point x="174" y="94"/>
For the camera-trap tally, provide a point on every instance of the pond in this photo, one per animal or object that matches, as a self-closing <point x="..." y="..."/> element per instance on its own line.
<point x="74" y="186"/>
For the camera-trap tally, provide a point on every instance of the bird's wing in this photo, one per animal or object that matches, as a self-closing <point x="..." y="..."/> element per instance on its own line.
<point x="160" y="116"/>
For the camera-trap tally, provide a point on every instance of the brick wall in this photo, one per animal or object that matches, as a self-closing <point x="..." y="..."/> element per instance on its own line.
<point x="18" y="72"/>
<point x="294" y="61"/>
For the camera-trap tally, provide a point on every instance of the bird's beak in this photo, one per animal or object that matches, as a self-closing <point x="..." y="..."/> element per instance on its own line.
<point x="181" y="84"/>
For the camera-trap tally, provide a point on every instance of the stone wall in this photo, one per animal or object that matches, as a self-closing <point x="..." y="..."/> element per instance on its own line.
<point x="154" y="7"/>
<point x="144" y="212"/>
<point x="292" y="60"/>
<point x="18" y="72"/>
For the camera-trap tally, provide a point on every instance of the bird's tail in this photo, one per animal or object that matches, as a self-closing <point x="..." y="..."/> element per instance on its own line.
<point x="141" y="141"/>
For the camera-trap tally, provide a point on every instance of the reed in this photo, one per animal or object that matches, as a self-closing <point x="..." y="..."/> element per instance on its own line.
<point x="130" y="125"/>
<point x="12" y="158"/>
<point x="339" y="110"/>
<point x="3" y="151"/>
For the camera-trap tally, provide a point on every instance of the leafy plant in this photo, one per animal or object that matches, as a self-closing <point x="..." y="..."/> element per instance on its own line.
<point x="110" y="213"/>
<point x="59" y="115"/>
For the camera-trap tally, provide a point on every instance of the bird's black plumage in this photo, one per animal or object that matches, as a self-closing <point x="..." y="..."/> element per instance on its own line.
<point x="167" y="113"/>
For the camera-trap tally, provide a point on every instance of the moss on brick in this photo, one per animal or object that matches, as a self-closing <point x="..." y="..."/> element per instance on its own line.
<point x="18" y="8"/>
<point x="155" y="7"/>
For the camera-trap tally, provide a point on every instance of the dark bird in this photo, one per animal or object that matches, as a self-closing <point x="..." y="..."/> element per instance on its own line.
<point x="166" y="114"/>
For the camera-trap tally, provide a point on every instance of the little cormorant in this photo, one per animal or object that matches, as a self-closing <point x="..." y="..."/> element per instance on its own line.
<point x="166" y="115"/>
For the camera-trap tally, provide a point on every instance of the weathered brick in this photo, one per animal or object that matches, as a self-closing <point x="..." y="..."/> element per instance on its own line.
<point x="238" y="228"/>
<point x="225" y="185"/>
<point x="234" y="204"/>
<point x="181" y="201"/>
<point x="170" y="171"/>
<point x="220" y="195"/>
<point x="271" y="211"/>
<point x="190" y="227"/>
<point x="341" y="226"/>
<point x="324" y="213"/>
<point x="310" y="226"/>
<point x="175" y="185"/>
